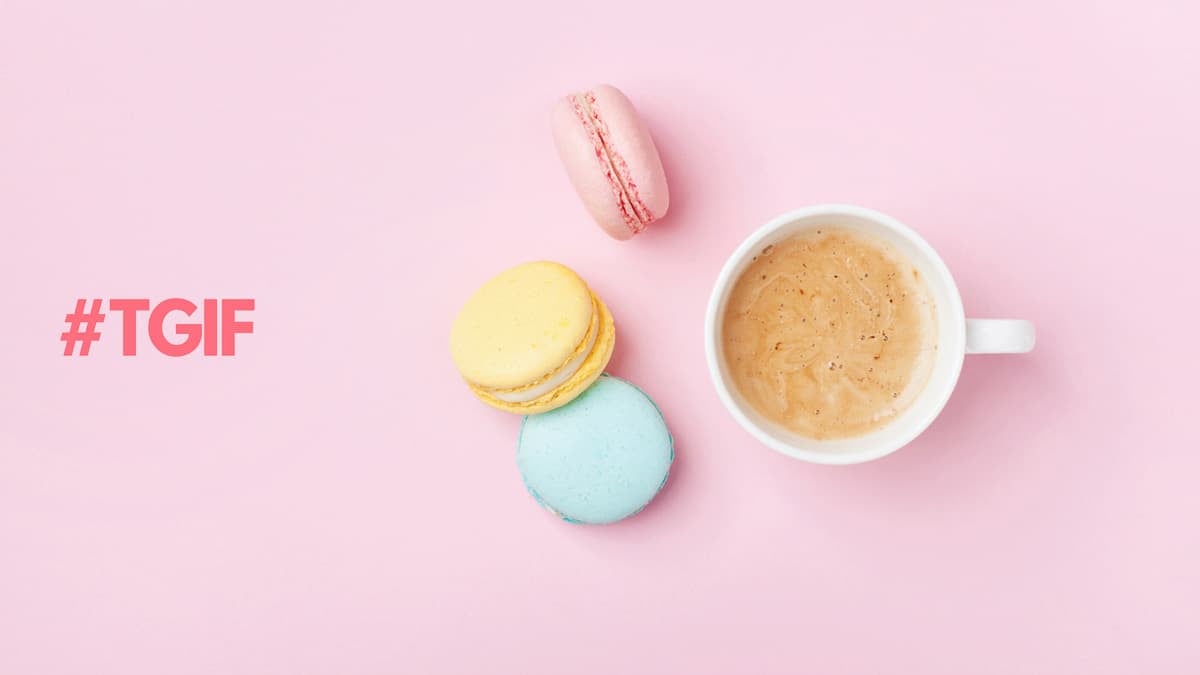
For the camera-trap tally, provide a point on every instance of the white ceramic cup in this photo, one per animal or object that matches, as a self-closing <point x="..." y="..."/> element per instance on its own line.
<point x="957" y="336"/>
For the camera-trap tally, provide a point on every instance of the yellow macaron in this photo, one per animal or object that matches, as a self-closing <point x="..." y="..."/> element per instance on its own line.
<point x="532" y="338"/>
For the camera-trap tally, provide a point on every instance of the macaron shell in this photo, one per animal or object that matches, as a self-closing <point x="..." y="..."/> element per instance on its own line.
<point x="578" y="157"/>
<point x="591" y="369"/>
<point x="636" y="170"/>
<point x="521" y="325"/>
<point x="632" y="141"/>
<point x="600" y="459"/>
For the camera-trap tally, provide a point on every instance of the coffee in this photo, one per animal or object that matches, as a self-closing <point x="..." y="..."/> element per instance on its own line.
<point x="830" y="333"/>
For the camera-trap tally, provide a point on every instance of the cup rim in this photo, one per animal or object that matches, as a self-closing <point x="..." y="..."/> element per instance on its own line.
<point x="725" y="279"/>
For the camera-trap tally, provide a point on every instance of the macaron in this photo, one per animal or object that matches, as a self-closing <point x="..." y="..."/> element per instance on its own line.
<point x="611" y="160"/>
<point x="532" y="338"/>
<point x="599" y="459"/>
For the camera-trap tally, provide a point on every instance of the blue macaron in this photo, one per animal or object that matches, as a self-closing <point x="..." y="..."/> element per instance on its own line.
<point x="598" y="459"/>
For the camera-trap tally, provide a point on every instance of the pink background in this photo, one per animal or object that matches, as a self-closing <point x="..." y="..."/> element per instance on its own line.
<point x="332" y="500"/>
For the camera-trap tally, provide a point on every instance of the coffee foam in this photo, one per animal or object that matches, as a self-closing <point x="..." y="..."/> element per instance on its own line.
<point x="830" y="333"/>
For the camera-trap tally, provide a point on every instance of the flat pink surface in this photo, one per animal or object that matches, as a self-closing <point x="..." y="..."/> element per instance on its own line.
<point x="333" y="500"/>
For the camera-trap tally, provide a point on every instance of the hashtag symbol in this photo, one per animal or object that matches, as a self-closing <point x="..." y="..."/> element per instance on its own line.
<point x="82" y="328"/>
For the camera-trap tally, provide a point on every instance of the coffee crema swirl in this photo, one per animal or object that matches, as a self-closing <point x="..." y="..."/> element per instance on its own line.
<point x="830" y="333"/>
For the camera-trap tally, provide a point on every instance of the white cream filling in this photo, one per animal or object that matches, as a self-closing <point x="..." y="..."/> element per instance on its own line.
<point x="564" y="374"/>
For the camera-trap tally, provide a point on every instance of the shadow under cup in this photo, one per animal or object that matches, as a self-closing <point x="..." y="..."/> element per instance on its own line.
<point x="951" y="336"/>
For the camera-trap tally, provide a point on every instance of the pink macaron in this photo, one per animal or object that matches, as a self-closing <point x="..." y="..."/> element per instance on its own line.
<point x="611" y="160"/>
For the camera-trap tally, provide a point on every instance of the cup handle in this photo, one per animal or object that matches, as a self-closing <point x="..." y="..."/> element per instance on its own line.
<point x="999" y="336"/>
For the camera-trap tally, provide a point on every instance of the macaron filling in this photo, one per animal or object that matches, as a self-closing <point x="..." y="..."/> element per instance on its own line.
<point x="551" y="381"/>
<point x="556" y="380"/>
<point x="612" y="164"/>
